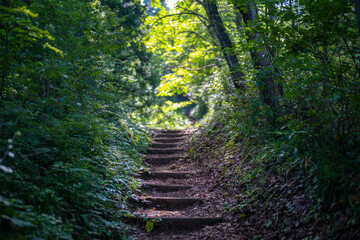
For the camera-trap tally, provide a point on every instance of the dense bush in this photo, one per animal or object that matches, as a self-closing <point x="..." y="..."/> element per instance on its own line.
<point x="71" y="72"/>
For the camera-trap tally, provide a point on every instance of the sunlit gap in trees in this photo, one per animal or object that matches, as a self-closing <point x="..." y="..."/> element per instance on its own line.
<point x="169" y="3"/>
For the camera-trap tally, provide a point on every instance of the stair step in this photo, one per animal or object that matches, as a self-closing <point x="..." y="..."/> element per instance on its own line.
<point x="168" y="131"/>
<point x="169" y="213"/>
<point x="170" y="135"/>
<point x="179" y="223"/>
<point x="165" y="174"/>
<point x="164" y="145"/>
<point x="165" y="188"/>
<point x="168" y="203"/>
<point x="167" y="140"/>
<point x="164" y="150"/>
<point x="162" y="160"/>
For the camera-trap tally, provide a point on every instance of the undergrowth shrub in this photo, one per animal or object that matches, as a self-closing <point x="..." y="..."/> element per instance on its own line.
<point x="304" y="150"/>
<point x="70" y="178"/>
<point x="71" y="73"/>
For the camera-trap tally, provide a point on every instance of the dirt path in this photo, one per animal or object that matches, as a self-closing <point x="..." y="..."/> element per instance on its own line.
<point x="198" y="191"/>
<point x="177" y="196"/>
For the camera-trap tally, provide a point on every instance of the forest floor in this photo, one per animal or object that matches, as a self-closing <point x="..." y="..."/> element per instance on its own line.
<point x="281" y="208"/>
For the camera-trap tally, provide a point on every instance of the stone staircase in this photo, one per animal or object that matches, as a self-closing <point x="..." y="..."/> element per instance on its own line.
<point x="166" y="193"/>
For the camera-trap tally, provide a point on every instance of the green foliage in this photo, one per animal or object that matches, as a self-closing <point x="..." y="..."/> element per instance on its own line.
<point x="163" y="116"/>
<point x="185" y="56"/>
<point x="313" y="60"/>
<point x="312" y="47"/>
<point x="268" y="167"/>
<point x="70" y="73"/>
<point x="149" y="226"/>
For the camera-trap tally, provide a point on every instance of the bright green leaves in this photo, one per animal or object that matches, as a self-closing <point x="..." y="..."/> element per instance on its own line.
<point x="175" y="106"/>
<point x="18" y="28"/>
<point x="156" y="3"/>
<point x="185" y="50"/>
<point x="175" y="83"/>
<point x="166" y="115"/>
<point x="19" y="33"/>
<point x="149" y="226"/>
<point x="47" y="45"/>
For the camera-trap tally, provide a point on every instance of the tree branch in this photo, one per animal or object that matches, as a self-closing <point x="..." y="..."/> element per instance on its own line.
<point x="201" y="36"/>
<point x="202" y="68"/>
<point x="201" y="18"/>
<point x="179" y="14"/>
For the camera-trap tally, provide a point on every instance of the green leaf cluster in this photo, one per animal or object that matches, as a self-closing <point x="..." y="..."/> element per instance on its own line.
<point x="71" y="72"/>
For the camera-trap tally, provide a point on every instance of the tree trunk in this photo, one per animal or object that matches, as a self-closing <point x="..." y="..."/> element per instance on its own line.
<point x="238" y="22"/>
<point x="5" y="64"/>
<point x="260" y="60"/>
<point x="279" y="83"/>
<point x="357" y="13"/>
<point x="225" y="43"/>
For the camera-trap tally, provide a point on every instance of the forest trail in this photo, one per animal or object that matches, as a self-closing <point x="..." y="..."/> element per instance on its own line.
<point x="174" y="195"/>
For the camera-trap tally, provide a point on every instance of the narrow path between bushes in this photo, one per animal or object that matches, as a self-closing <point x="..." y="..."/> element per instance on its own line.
<point x="177" y="201"/>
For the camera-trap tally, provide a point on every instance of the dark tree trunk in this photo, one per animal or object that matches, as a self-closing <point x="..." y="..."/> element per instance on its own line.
<point x="5" y="64"/>
<point x="357" y="13"/>
<point x="279" y="84"/>
<point x="238" y="22"/>
<point x="225" y="43"/>
<point x="260" y="60"/>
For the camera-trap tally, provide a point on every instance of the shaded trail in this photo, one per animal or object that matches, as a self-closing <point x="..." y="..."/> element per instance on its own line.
<point x="174" y="195"/>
